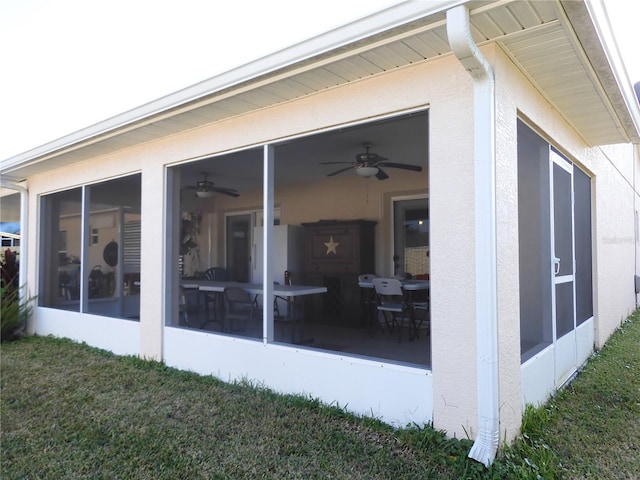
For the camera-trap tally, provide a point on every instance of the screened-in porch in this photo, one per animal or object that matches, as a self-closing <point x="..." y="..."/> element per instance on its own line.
<point x="333" y="221"/>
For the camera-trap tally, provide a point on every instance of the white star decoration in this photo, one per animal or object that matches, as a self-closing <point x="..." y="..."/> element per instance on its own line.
<point x="331" y="246"/>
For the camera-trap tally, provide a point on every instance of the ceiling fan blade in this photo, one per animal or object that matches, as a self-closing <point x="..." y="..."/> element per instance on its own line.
<point x="340" y="171"/>
<point x="403" y="166"/>
<point x="190" y="187"/>
<point x="381" y="175"/>
<point x="227" y="191"/>
<point x="336" y="163"/>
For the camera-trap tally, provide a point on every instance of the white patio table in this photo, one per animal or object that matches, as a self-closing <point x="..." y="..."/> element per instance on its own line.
<point x="288" y="291"/>
<point x="409" y="285"/>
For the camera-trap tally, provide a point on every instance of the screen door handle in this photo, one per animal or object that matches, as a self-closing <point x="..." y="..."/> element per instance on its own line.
<point x="556" y="265"/>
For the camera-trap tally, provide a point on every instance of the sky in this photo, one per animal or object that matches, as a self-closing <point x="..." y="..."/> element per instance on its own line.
<point x="68" y="64"/>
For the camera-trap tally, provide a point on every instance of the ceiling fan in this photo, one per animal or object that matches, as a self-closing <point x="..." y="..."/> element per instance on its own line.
<point x="205" y="189"/>
<point x="368" y="164"/>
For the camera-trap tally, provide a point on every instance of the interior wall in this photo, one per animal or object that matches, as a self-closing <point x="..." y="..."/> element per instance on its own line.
<point x="344" y="197"/>
<point x="105" y="235"/>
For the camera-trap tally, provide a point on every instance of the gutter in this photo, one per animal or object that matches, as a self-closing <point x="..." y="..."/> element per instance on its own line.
<point x="24" y="206"/>
<point x="282" y="62"/>
<point x="458" y="30"/>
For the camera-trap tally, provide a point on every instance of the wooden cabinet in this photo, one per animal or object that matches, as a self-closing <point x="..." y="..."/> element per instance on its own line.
<point x="336" y="252"/>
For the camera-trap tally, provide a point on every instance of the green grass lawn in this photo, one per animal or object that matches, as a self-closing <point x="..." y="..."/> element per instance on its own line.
<point x="70" y="411"/>
<point x="593" y="425"/>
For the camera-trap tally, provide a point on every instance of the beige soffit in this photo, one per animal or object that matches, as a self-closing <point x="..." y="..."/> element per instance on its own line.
<point x="538" y="36"/>
<point x="599" y="45"/>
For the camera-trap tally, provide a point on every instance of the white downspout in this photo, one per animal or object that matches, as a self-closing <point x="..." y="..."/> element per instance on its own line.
<point x="486" y="444"/>
<point x="24" y="205"/>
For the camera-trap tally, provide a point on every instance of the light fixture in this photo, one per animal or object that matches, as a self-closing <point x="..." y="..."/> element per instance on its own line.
<point x="204" y="193"/>
<point x="366" y="171"/>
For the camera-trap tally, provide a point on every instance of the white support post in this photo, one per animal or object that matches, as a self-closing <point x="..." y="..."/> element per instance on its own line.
<point x="267" y="239"/>
<point x="85" y="238"/>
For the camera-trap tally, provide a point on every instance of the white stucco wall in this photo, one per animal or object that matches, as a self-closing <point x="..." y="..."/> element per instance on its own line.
<point x="612" y="169"/>
<point x="614" y="241"/>
<point x="452" y="252"/>
<point x="508" y="245"/>
<point x="153" y="240"/>
<point x="615" y="238"/>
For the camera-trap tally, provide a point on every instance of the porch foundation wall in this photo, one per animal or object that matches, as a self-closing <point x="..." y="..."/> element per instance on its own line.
<point x="396" y="394"/>
<point x="116" y="335"/>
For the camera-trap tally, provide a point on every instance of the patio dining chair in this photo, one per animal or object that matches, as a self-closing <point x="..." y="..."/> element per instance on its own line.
<point x="189" y="308"/>
<point x="216" y="274"/>
<point x="214" y="300"/>
<point x="420" y="318"/>
<point x="368" y="298"/>
<point x="391" y="303"/>
<point x="240" y="307"/>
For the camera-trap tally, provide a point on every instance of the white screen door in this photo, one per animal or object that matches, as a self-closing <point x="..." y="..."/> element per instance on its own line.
<point x="563" y="267"/>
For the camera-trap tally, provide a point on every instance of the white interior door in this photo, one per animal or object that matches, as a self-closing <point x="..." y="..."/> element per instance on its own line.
<point x="563" y="267"/>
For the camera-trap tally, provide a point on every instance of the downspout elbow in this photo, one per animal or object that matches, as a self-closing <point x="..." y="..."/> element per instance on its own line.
<point x="464" y="47"/>
<point x="485" y="446"/>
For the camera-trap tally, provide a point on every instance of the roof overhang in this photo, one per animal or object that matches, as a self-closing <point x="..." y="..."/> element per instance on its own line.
<point x="564" y="48"/>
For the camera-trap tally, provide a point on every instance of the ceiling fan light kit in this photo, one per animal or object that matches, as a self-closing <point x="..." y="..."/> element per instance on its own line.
<point x="204" y="193"/>
<point x="366" y="171"/>
<point x="368" y="164"/>
<point x="206" y="189"/>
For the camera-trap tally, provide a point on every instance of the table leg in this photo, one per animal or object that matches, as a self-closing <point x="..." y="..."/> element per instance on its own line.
<point x="291" y="311"/>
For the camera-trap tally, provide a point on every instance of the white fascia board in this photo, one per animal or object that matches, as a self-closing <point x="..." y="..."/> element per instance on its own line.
<point x="602" y="25"/>
<point x="591" y="22"/>
<point x="391" y="17"/>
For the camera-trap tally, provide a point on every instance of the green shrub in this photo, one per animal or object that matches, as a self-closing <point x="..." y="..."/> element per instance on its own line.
<point x="14" y="311"/>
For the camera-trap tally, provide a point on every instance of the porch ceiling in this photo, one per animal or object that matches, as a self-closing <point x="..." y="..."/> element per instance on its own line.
<point x="538" y="36"/>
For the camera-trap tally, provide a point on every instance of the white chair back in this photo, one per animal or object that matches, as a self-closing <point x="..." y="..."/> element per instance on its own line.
<point x="366" y="277"/>
<point x="388" y="286"/>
